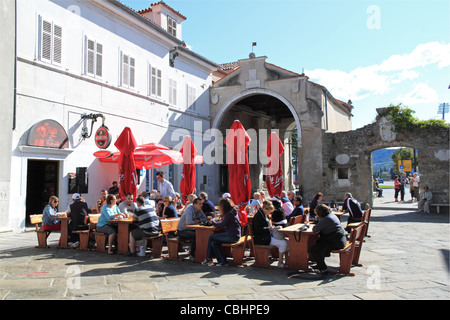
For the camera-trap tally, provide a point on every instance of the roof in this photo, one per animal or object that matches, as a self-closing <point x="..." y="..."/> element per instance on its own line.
<point x="164" y="5"/>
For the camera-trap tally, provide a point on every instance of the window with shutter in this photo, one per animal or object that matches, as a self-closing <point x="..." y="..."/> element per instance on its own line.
<point x="171" y="26"/>
<point x="156" y="82"/>
<point x="128" y="71"/>
<point x="94" y="58"/>
<point x="191" y="97"/>
<point x="50" y="42"/>
<point x="172" y="92"/>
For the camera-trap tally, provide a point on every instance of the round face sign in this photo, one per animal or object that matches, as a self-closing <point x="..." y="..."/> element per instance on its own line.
<point x="102" y="137"/>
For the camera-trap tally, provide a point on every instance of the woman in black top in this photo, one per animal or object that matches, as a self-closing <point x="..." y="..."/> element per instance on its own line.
<point x="313" y="204"/>
<point x="332" y="236"/>
<point x="261" y="227"/>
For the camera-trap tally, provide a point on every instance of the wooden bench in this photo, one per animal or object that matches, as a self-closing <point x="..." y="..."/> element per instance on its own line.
<point x="261" y="252"/>
<point x="237" y="249"/>
<point x="85" y="235"/>
<point x="438" y="206"/>
<point x="174" y="243"/>
<point x="166" y="226"/>
<point x="42" y="235"/>
<point x="297" y="219"/>
<point x="346" y="254"/>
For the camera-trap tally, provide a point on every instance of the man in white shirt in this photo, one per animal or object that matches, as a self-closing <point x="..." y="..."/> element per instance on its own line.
<point x="165" y="187"/>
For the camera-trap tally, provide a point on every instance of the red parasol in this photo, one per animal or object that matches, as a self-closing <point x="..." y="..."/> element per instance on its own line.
<point x="237" y="141"/>
<point x="274" y="179"/>
<point x="187" y="182"/>
<point x="127" y="167"/>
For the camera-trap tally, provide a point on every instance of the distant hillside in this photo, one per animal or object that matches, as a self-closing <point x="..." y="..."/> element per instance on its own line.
<point x="382" y="159"/>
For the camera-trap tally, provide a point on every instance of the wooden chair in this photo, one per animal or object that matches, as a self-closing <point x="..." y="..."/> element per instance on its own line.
<point x="42" y="235"/>
<point x="346" y="254"/>
<point x="358" y="245"/>
<point x="167" y="226"/>
<point x="261" y="252"/>
<point x="366" y="219"/>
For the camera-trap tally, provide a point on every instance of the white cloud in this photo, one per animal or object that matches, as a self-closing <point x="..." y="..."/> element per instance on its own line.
<point x="421" y="93"/>
<point x="381" y="78"/>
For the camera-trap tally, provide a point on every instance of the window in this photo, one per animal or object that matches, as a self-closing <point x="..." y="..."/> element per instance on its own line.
<point x="171" y="26"/>
<point x="94" y="58"/>
<point x="172" y="92"/>
<point x="343" y="173"/>
<point x="128" y="65"/>
<point x="155" y="82"/>
<point x="50" y="42"/>
<point x="191" y="97"/>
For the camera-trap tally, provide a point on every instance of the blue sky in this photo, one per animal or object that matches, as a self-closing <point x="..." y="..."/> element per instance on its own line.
<point x="374" y="52"/>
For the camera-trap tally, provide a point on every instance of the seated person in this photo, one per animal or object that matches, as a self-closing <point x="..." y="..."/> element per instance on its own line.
<point x="147" y="222"/>
<point x="78" y="211"/>
<point x="193" y="214"/>
<point x="109" y="211"/>
<point x="262" y="227"/>
<point x="352" y="206"/>
<point x="208" y="207"/>
<point x="287" y="204"/>
<point x="332" y="236"/>
<point x="254" y="203"/>
<point x="49" y="215"/>
<point x="313" y="204"/>
<point x="298" y="210"/>
<point x="425" y="200"/>
<point x="128" y="205"/>
<point x="232" y="232"/>
<point x="169" y="210"/>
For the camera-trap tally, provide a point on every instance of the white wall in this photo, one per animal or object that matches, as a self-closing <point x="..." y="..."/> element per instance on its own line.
<point x="64" y="92"/>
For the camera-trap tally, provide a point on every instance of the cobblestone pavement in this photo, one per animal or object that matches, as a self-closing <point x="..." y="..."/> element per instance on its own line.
<point x="406" y="257"/>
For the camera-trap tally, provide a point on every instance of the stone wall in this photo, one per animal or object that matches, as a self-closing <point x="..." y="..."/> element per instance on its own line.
<point x="347" y="159"/>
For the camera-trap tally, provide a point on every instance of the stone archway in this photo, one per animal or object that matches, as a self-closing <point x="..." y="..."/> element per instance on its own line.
<point x="250" y="107"/>
<point x="257" y="91"/>
<point x="351" y="152"/>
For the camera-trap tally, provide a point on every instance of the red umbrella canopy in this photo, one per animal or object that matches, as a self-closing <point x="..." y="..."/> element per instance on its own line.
<point x="274" y="180"/>
<point x="187" y="182"/>
<point x="237" y="141"/>
<point x="127" y="167"/>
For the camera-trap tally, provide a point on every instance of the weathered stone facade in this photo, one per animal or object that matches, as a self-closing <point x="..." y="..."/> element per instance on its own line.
<point x="349" y="154"/>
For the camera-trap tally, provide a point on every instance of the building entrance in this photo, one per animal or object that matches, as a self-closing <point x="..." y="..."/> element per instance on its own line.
<point x="42" y="183"/>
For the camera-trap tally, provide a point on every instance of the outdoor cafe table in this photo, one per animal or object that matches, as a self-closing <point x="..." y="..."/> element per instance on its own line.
<point x="122" y="233"/>
<point x="64" y="220"/>
<point x="202" y="234"/>
<point x="299" y="244"/>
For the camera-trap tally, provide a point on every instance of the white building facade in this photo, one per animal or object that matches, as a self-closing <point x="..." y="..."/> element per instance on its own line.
<point x="97" y="57"/>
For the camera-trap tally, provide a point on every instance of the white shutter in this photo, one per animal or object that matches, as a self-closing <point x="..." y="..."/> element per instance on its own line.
<point x="99" y="61"/>
<point x="132" y="72"/>
<point x="57" y="44"/>
<point x="159" y="83"/>
<point x="90" y="57"/>
<point x="46" y="41"/>
<point x="125" y="70"/>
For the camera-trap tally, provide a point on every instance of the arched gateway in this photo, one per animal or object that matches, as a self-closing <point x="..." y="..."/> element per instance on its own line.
<point x="351" y="154"/>
<point x="265" y="97"/>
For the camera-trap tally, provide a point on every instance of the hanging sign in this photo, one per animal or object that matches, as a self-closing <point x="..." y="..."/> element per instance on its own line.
<point x="103" y="154"/>
<point x="102" y="137"/>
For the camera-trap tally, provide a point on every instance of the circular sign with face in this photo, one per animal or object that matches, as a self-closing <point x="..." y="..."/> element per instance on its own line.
<point x="102" y="137"/>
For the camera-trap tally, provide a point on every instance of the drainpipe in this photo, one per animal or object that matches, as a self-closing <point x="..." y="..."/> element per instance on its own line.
<point x="15" y="67"/>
